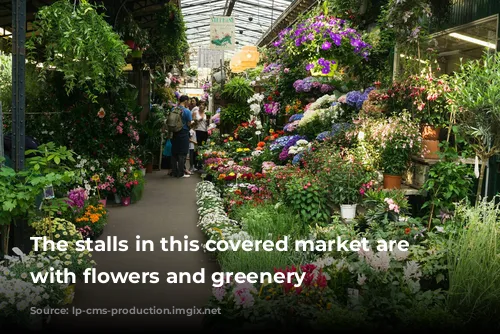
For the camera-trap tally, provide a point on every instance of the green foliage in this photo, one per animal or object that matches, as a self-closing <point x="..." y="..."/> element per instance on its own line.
<point x="308" y="198"/>
<point x="238" y="89"/>
<point x="128" y="29"/>
<point x="77" y="41"/>
<point x="347" y="179"/>
<point x="50" y="159"/>
<point x="234" y="114"/>
<point x="378" y="209"/>
<point x="449" y="181"/>
<point x="395" y="159"/>
<point x="265" y="222"/>
<point x="476" y="98"/>
<point x="476" y="101"/>
<point x="169" y="42"/>
<point x="475" y="265"/>
<point x="192" y="72"/>
<point x="150" y="133"/>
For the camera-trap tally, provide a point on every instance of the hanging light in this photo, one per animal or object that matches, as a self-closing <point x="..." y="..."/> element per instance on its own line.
<point x="236" y="64"/>
<point x="249" y="56"/>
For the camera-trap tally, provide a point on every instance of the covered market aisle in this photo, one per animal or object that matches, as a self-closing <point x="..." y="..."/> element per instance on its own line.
<point x="167" y="209"/>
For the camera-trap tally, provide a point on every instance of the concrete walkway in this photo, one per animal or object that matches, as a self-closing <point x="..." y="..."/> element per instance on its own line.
<point x="168" y="208"/>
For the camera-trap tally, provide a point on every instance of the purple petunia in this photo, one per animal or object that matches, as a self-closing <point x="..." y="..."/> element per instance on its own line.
<point x="326" y="45"/>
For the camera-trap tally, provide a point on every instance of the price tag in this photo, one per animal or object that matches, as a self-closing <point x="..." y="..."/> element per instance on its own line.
<point x="48" y="192"/>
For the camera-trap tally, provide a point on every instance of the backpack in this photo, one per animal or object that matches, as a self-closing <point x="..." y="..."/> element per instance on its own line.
<point x="174" y="120"/>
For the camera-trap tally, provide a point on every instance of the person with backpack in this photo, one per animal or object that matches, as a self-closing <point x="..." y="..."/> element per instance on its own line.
<point x="178" y="122"/>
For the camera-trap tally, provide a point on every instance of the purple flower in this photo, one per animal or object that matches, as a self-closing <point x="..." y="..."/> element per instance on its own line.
<point x="309" y="67"/>
<point x="325" y="70"/>
<point x="77" y="198"/>
<point x="326" y="46"/>
<point x="325" y="88"/>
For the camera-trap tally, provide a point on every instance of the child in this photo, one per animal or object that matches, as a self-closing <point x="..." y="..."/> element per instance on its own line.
<point x="192" y="143"/>
<point x="166" y="162"/>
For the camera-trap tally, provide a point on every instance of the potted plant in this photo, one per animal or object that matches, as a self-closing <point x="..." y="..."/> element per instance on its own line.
<point x="350" y="176"/>
<point x="428" y="93"/>
<point x="125" y="191"/>
<point x="401" y="141"/>
<point x="394" y="162"/>
<point x="476" y="103"/>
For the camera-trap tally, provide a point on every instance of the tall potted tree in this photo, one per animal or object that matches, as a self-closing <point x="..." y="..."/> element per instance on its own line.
<point x="476" y="106"/>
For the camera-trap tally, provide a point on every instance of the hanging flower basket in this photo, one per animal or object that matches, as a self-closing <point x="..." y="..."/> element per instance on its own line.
<point x="323" y="68"/>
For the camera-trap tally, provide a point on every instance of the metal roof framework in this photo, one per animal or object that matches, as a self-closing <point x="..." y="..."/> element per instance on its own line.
<point x="254" y="18"/>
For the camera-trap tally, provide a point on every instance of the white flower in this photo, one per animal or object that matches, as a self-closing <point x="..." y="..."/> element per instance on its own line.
<point x="440" y="229"/>
<point x="258" y="125"/>
<point x="361" y="135"/>
<point x="123" y="170"/>
<point x="399" y="255"/>
<point x="361" y="279"/>
<point x="380" y="261"/>
<point x="258" y="133"/>
<point x="412" y="271"/>
<point x="302" y="142"/>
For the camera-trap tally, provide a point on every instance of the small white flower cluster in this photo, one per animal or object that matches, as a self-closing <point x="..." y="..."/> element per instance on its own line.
<point x="17" y="295"/>
<point x="300" y="146"/>
<point x="324" y="110"/>
<point x="17" y="292"/>
<point x="214" y="221"/>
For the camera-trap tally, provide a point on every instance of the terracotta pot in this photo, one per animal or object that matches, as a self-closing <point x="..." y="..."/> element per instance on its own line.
<point x="125" y="201"/>
<point x="429" y="132"/>
<point x="392" y="181"/>
<point x="149" y="168"/>
<point x="430" y="149"/>
<point x="130" y="43"/>
<point x="103" y="202"/>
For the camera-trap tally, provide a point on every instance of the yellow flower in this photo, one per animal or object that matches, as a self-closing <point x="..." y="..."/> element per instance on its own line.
<point x="231" y="138"/>
<point x="246" y="149"/>
<point x="136" y="175"/>
<point x="238" y="150"/>
<point x="212" y="143"/>
<point x="95" y="178"/>
<point x="271" y="131"/>
<point x="231" y="174"/>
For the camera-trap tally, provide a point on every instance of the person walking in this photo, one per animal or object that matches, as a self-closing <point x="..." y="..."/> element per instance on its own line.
<point x="201" y="128"/>
<point x="180" y="141"/>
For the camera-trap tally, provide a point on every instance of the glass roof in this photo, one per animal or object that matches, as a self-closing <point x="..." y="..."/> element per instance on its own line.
<point x="253" y="18"/>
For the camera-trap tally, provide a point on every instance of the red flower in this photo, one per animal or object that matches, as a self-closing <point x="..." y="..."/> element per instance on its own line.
<point x="407" y="230"/>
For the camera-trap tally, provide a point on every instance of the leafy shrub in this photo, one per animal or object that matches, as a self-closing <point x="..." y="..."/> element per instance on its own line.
<point x="234" y="114"/>
<point x="307" y="197"/>
<point x="238" y="89"/>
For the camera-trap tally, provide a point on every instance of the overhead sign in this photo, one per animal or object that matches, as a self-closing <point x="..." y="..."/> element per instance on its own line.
<point x="208" y="58"/>
<point x="222" y="36"/>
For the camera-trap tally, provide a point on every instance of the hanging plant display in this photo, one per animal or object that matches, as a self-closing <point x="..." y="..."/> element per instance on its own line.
<point x="77" y="41"/>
